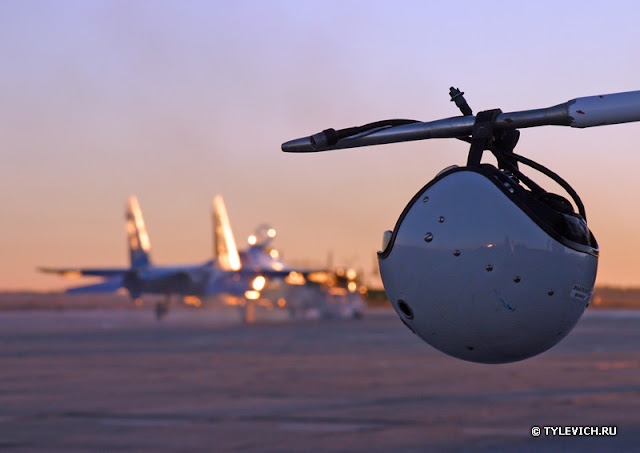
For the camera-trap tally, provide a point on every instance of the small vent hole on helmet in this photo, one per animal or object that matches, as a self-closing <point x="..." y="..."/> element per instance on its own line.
<point x="405" y="309"/>
<point x="551" y="293"/>
<point x="516" y="279"/>
<point x="470" y="348"/>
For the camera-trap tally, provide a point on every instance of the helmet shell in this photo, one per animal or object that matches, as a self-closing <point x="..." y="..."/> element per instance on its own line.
<point x="475" y="274"/>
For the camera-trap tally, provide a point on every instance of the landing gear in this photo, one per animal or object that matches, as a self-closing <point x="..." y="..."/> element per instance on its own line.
<point x="247" y="312"/>
<point x="162" y="308"/>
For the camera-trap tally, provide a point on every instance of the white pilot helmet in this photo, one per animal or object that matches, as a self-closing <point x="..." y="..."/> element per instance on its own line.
<point x="485" y="270"/>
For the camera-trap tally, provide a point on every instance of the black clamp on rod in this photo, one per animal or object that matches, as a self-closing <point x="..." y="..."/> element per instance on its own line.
<point x="482" y="136"/>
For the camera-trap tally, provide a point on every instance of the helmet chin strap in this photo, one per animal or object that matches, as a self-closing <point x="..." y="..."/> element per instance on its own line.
<point x="501" y="143"/>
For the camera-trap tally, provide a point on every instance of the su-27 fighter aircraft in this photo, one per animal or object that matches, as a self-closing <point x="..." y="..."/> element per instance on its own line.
<point x="255" y="276"/>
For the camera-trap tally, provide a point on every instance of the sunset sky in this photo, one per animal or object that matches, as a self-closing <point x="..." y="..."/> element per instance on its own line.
<point x="178" y="101"/>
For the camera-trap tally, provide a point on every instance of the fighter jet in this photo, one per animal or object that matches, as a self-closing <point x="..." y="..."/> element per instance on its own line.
<point x="240" y="275"/>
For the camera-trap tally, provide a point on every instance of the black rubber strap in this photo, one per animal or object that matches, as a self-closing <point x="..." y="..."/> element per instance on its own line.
<point x="561" y="182"/>
<point x="330" y="137"/>
<point x="503" y="147"/>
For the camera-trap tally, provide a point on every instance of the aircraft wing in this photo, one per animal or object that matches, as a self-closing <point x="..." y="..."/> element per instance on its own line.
<point x="294" y="276"/>
<point x="108" y="286"/>
<point x="268" y="273"/>
<point x="258" y="260"/>
<point x="72" y="272"/>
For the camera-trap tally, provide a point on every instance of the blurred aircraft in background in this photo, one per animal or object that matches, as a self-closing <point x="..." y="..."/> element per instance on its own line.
<point x="248" y="278"/>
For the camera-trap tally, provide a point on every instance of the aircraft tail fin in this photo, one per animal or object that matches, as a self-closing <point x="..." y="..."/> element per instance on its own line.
<point x="224" y="244"/>
<point x="139" y="244"/>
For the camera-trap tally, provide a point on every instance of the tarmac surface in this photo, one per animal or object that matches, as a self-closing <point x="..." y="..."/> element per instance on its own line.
<point x="117" y="380"/>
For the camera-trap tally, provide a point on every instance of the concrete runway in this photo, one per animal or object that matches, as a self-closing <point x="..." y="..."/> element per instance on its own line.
<point x="116" y="380"/>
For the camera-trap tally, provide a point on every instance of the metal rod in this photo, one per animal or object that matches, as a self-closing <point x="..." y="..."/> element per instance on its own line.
<point x="580" y="112"/>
